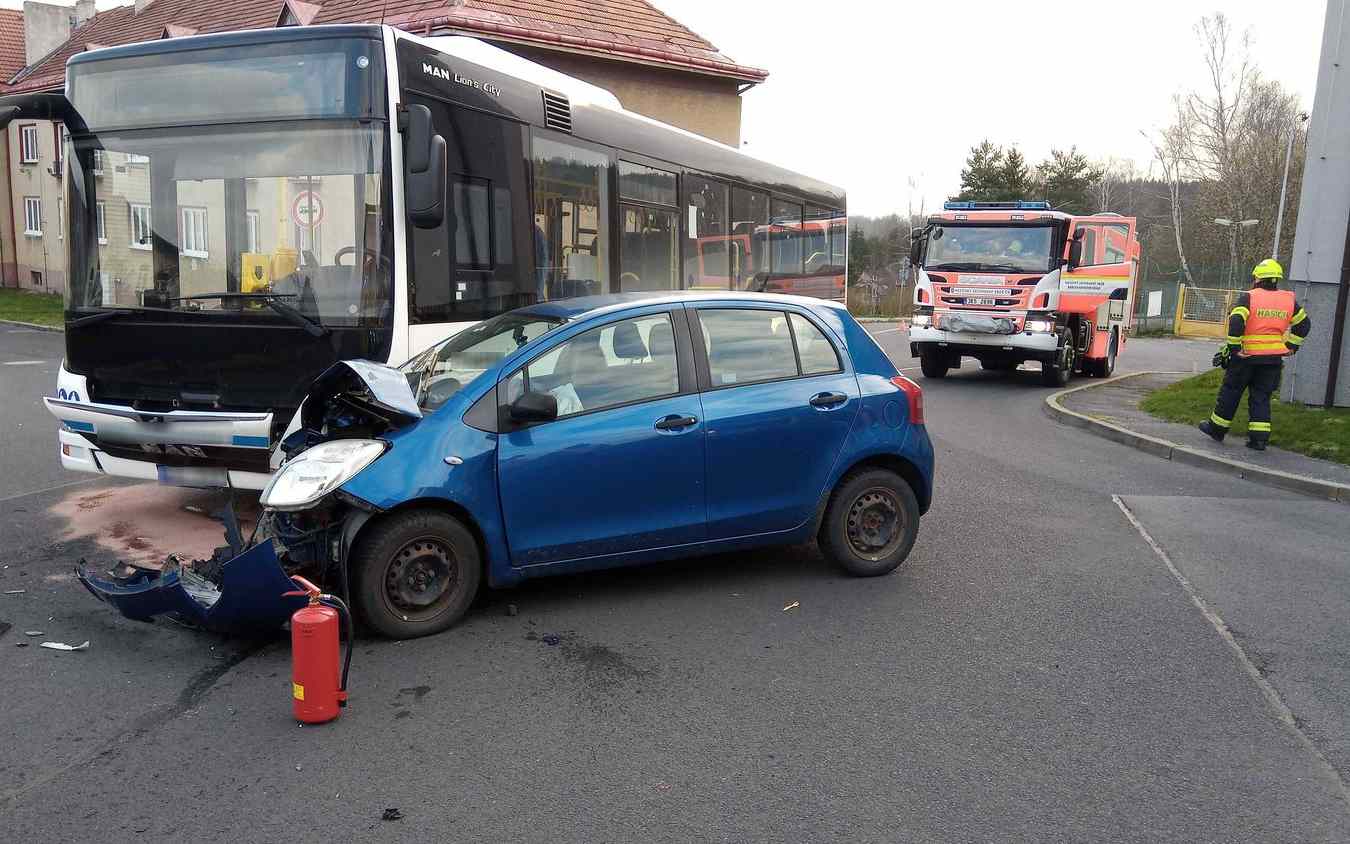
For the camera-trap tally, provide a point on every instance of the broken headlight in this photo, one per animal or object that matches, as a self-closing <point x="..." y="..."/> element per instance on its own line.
<point x="317" y="471"/>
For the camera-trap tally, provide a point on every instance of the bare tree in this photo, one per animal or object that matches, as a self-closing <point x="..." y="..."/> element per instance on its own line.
<point x="1172" y="154"/>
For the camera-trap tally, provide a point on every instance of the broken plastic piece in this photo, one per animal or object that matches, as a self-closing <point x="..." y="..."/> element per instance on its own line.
<point x="62" y="646"/>
<point x="792" y="606"/>
<point x="248" y="600"/>
<point x="33" y="633"/>
<point x="15" y="591"/>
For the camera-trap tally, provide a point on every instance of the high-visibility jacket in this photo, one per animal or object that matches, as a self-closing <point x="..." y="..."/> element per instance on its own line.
<point x="1267" y="324"/>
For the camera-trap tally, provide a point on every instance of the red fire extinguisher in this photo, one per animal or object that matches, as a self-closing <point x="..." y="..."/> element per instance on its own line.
<point x="318" y="678"/>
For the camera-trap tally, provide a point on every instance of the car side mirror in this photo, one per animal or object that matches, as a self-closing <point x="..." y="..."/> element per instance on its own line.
<point x="425" y="164"/>
<point x="534" y="407"/>
<point x="1076" y="250"/>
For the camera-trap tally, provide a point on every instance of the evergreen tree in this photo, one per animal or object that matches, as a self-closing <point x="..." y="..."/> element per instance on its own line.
<point x="1014" y="177"/>
<point x="1066" y="180"/>
<point x="982" y="176"/>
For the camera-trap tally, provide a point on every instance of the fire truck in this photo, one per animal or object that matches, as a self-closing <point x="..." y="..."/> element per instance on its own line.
<point x="1011" y="282"/>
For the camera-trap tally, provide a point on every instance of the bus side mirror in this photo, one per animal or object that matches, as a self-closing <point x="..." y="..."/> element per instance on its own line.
<point x="1076" y="250"/>
<point x="425" y="164"/>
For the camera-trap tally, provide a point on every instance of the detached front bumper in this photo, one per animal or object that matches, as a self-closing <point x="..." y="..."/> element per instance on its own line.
<point x="247" y="601"/>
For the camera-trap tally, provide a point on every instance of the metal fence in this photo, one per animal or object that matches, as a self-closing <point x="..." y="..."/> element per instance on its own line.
<point x="1203" y="311"/>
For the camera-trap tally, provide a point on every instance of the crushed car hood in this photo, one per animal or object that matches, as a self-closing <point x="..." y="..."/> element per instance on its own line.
<point x="359" y="397"/>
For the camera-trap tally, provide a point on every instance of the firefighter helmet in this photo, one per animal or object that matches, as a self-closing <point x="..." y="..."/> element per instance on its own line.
<point x="1268" y="269"/>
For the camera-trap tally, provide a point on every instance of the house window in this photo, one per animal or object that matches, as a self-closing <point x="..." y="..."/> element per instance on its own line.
<point x="56" y="143"/>
<point x="100" y="161"/>
<point x="36" y="278"/>
<point x="32" y="216"/>
<point x="28" y="144"/>
<point x="253" y="239"/>
<point x="137" y="158"/>
<point x="193" y="221"/>
<point x="101" y="223"/>
<point x="140" y="226"/>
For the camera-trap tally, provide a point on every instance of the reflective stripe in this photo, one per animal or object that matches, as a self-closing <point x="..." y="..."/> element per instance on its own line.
<point x="1234" y="341"/>
<point x="1241" y="311"/>
<point x="1294" y="340"/>
<point x="1259" y="426"/>
<point x="1298" y="317"/>
<point x="1219" y="420"/>
<point x="1262" y="341"/>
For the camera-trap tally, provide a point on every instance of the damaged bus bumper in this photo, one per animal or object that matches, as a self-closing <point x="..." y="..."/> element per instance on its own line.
<point x="248" y="599"/>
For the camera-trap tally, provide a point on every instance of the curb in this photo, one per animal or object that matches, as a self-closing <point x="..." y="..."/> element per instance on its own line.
<point x="33" y="325"/>
<point x="1168" y="450"/>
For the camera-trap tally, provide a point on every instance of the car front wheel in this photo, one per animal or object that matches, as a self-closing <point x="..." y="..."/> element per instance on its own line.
<point x="415" y="573"/>
<point x="871" y="522"/>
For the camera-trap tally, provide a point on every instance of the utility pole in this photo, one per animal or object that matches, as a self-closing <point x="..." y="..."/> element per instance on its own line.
<point x="1284" y="183"/>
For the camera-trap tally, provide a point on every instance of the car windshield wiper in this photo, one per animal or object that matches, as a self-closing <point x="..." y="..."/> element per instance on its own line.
<point x="978" y="265"/>
<point x="100" y="316"/>
<point x="273" y="301"/>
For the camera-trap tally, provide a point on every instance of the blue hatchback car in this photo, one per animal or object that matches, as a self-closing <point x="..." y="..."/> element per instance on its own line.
<point x="597" y="432"/>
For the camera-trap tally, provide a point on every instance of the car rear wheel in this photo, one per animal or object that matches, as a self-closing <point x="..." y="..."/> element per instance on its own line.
<point x="870" y="523"/>
<point x="415" y="573"/>
<point x="934" y="364"/>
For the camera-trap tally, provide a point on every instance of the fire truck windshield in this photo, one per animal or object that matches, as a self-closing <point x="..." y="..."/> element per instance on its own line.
<point x="1009" y="249"/>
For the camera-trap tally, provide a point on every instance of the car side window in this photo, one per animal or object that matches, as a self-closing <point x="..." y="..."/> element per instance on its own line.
<point x="747" y="345"/>
<point x="816" y="352"/>
<point x="623" y="362"/>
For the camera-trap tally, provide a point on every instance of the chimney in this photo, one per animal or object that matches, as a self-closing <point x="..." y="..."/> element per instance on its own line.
<point x="84" y="10"/>
<point x="46" y="26"/>
<point x="141" y="4"/>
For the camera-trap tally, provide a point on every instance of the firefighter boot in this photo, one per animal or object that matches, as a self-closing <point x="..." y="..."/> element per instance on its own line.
<point x="1212" y="431"/>
<point x="1256" y="445"/>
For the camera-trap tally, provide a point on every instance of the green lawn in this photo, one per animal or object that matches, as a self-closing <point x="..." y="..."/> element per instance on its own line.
<point x="25" y="306"/>
<point x="1311" y="431"/>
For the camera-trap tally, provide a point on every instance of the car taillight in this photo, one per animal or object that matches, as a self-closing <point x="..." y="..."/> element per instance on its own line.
<point x="914" y="393"/>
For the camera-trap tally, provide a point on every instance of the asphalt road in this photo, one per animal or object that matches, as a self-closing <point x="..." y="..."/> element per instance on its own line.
<point x="1035" y="671"/>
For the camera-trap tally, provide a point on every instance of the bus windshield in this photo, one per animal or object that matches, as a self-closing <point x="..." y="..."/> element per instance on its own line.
<point x="167" y="218"/>
<point x="1009" y="249"/>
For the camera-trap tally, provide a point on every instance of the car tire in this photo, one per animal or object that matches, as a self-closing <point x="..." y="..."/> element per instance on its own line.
<point x="1058" y="371"/>
<point x="934" y="364"/>
<point x="415" y="573"/>
<point x="853" y="534"/>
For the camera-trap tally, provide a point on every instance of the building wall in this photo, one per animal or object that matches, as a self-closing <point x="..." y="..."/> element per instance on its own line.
<point x="1323" y="214"/>
<point x="711" y="107"/>
<point x="40" y="256"/>
<point x="9" y="271"/>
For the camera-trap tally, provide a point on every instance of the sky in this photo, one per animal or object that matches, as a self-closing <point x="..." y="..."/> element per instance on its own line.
<point x="886" y="98"/>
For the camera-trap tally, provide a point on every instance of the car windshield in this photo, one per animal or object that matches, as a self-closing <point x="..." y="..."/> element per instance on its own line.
<point x="441" y="371"/>
<point x="1009" y="249"/>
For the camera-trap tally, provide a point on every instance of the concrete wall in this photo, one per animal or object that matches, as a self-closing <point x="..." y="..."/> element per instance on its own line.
<point x="44" y="253"/>
<point x="711" y="107"/>
<point x="1323" y="212"/>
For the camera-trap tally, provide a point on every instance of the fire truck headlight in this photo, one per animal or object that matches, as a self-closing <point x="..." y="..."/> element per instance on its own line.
<point x="1043" y="326"/>
<point x="921" y="320"/>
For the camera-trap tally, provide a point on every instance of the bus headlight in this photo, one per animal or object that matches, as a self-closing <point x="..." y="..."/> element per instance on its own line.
<point x="1043" y="326"/>
<point x="317" y="471"/>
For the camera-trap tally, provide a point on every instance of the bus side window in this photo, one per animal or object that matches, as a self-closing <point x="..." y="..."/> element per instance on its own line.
<point x="706" y="254"/>
<point x="785" y="235"/>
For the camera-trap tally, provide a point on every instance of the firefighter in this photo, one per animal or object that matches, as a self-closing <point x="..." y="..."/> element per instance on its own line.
<point x="1265" y="325"/>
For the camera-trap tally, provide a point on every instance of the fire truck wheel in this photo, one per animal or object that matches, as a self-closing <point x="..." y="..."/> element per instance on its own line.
<point x="1057" y="372"/>
<point x="934" y="364"/>
<point x="415" y="573"/>
<point x="871" y="522"/>
<point x="1106" y="366"/>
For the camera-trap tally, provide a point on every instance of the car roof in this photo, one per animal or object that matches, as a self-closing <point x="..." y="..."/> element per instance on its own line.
<point x="582" y="306"/>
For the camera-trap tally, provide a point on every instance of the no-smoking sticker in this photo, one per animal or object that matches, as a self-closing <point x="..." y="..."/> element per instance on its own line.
<point x="307" y="209"/>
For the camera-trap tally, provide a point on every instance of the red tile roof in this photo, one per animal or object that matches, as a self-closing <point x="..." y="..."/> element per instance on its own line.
<point x="11" y="43"/>
<point x="623" y="30"/>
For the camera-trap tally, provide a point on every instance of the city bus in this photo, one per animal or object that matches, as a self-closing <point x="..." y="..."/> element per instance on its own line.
<point x="245" y="209"/>
<point x="801" y="257"/>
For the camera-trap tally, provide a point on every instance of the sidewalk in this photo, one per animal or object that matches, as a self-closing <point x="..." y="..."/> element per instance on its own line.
<point x="1111" y="409"/>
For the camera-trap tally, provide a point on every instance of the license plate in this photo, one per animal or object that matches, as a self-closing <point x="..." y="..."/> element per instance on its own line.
<point x="981" y="291"/>
<point x="980" y="301"/>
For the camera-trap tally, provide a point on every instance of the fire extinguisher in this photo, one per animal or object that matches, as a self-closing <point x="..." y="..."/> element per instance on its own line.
<point x="318" y="692"/>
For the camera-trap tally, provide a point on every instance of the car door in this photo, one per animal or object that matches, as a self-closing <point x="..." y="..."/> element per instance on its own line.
<point x="779" y="397"/>
<point x="621" y="469"/>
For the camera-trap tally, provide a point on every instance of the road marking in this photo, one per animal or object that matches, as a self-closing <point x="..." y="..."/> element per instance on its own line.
<point x="1282" y="712"/>
<point x="890" y="330"/>
<point x="19" y="495"/>
<point x="25" y="362"/>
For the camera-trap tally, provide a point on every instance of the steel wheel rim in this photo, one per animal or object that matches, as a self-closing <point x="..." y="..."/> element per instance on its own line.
<point x="874" y="524"/>
<point x="421" y="578"/>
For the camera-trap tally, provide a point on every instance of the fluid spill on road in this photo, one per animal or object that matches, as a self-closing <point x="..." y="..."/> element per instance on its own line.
<point x="147" y="522"/>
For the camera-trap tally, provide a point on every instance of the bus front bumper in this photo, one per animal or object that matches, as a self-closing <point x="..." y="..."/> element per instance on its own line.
<point x="80" y="455"/>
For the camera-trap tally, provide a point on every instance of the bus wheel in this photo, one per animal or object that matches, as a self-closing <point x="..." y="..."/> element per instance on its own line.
<point x="934" y="364"/>
<point x="1057" y="371"/>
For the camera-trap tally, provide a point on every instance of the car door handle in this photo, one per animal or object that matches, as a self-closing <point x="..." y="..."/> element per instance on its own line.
<point x="674" y="421"/>
<point x="825" y="401"/>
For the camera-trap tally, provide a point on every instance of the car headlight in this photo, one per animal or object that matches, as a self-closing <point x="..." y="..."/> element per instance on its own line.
<point x="1041" y="325"/>
<point x="318" y="471"/>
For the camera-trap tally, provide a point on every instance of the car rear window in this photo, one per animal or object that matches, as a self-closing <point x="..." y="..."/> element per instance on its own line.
<point x="817" y="353"/>
<point x="747" y="345"/>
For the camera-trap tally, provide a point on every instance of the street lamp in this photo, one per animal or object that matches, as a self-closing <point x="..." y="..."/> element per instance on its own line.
<point x="1233" y="229"/>
<point x="1284" y="183"/>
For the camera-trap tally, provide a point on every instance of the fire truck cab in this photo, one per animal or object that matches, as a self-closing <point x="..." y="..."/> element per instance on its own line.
<point x="1010" y="282"/>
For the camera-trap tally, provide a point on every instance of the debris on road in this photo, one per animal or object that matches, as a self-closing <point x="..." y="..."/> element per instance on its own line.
<point x="62" y="646"/>
<point x="551" y="638"/>
<point x="391" y="815"/>
<point x="15" y="591"/>
<point x="792" y="606"/>
<point x="34" y="633"/>
<point x="512" y="610"/>
<point x="20" y="644"/>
